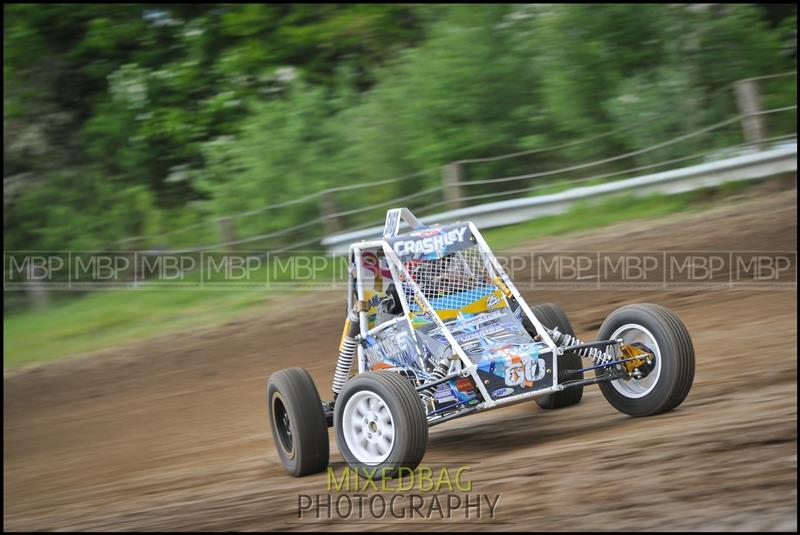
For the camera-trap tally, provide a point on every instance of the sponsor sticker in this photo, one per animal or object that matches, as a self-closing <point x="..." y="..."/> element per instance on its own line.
<point x="444" y="394"/>
<point x="502" y="392"/>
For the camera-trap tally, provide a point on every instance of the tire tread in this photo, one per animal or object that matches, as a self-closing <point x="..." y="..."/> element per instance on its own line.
<point x="412" y="417"/>
<point x="551" y="315"/>
<point x="683" y="353"/>
<point x="298" y="390"/>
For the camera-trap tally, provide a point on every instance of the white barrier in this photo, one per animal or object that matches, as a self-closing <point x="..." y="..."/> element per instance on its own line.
<point x="781" y="159"/>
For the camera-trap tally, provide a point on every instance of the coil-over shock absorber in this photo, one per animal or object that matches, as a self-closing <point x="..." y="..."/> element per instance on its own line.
<point x="598" y="356"/>
<point x="438" y="372"/>
<point x="347" y="351"/>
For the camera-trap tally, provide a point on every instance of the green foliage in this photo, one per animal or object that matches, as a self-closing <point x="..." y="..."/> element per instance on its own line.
<point x="141" y="119"/>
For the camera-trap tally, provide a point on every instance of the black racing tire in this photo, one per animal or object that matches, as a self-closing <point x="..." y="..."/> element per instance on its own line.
<point x="408" y="422"/>
<point x="298" y="422"/>
<point x="675" y="374"/>
<point x="551" y="315"/>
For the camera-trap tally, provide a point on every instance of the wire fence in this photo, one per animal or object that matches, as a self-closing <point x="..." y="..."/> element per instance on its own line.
<point x="331" y="217"/>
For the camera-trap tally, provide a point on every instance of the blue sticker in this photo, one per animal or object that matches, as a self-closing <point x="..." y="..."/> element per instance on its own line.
<point x="502" y="392"/>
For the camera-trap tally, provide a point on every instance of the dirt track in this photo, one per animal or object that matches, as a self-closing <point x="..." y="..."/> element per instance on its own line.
<point x="171" y="433"/>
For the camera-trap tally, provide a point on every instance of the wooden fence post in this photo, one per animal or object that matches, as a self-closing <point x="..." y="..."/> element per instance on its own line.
<point x="331" y="223"/>
<point x="37" y="294"/>
<point x="452" y="177"/>
<point x="227" y="232"/>
<point x="748" y="102"/>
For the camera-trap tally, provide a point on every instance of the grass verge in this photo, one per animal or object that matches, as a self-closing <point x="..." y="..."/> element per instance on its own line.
<point x="107" y="318"/>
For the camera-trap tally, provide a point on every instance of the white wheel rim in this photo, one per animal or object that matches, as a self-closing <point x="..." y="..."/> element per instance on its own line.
<point x="637" y="388"/>
<point x="368" y="427"/>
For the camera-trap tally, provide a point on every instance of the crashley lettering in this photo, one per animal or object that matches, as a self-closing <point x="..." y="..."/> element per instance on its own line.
<point x="429" y="244"/>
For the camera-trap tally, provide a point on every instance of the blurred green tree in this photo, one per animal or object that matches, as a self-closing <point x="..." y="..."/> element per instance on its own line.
<point x="139" y="118"/>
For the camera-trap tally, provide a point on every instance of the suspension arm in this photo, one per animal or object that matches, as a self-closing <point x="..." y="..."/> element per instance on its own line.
<point x="455" y="375"/>
<point x="592" y="380"/>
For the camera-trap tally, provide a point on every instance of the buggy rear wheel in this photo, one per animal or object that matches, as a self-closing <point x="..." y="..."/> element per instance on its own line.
<point x="551" y="315"/>
<point x="658" y="331"/>
<point x="297" y="421"/>
<point x="380" y="424"/>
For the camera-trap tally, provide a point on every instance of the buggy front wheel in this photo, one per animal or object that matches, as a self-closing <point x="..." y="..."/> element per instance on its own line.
<point x="659" y="332"/>
<point x="297" y="419"/>
<point x="380" y="422"/>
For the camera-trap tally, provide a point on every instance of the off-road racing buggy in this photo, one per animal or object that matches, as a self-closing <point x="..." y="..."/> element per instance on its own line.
<point x="438" y="331"/>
